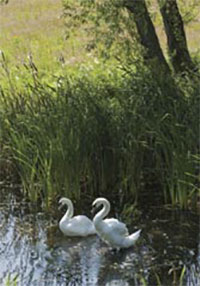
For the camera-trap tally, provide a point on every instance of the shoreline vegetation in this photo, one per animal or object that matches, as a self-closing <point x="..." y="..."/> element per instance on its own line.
<point x="96" y="128"/>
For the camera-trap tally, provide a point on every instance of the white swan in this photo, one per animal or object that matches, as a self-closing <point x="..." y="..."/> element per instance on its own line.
<point x="75" y="226"/>
<point x="111" y="230"/>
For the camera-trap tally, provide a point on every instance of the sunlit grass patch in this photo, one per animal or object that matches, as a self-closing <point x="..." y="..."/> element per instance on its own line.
<point x="32" y="27"/>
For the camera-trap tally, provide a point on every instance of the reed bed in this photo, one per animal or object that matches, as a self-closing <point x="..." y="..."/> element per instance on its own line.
<point x="98" y="131"/>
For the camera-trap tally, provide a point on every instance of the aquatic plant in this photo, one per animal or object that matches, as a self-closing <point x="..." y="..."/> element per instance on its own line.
<point x="11" y="280"/>
<point x="178" y="277"/>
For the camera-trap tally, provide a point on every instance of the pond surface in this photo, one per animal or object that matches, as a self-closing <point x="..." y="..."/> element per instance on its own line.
<point x="34" y="252"/>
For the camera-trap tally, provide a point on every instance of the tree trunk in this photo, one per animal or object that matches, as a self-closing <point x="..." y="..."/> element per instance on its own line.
<point x="147" y="33"/>
<point x="176" y="39"/>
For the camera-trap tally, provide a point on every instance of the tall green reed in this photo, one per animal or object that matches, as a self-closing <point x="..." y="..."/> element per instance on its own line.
<point x="97" y="131"/>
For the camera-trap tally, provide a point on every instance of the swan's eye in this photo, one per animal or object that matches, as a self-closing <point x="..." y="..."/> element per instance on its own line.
<point x="60" y="206"/>
<point x="95" y="209"/>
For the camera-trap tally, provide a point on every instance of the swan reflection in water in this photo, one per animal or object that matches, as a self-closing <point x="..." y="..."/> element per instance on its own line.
<point x="89" y="261"/>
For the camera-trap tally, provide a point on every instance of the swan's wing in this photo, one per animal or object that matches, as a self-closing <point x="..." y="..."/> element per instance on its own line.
<point x="80" y="225"/>
<point x="80" y="222"/>
<point x="116" y="226"/>
<point x="81" y="219"/>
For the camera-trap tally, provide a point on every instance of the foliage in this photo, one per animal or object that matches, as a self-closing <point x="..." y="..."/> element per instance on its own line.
<point x="109" y="27"/>
<point x="4" y="2"/>
<point x="189" y="10"/>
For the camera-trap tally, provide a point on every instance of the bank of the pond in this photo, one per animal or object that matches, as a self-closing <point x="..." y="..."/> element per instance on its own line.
<point x="100" y="130"/>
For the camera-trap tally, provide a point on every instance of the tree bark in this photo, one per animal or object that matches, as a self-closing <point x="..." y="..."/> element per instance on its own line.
<point x="176" y="38"/>
<point x="147" y="34"/>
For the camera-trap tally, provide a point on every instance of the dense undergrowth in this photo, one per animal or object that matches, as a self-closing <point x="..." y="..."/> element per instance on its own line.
<point x="99" y="129"/>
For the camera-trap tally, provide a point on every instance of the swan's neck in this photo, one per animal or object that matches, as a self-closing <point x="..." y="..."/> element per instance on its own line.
<point x="70" y="210"/>
<point x="103" y="212"/>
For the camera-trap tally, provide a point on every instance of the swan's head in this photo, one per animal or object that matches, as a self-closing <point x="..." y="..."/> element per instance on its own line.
<point x="98" y="203"/>
<point x="64" y="201"/>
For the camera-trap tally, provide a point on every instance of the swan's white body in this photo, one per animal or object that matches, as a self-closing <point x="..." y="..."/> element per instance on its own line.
<point x="75" y="226"/>
<point x="111" y="230"/>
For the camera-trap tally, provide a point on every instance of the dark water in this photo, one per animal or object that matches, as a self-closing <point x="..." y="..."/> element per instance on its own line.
<point x="34" y="252"/>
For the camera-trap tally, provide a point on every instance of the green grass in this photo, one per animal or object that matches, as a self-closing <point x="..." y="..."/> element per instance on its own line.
<point x="32" y="27"/>
<point x="37" y="28"/>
